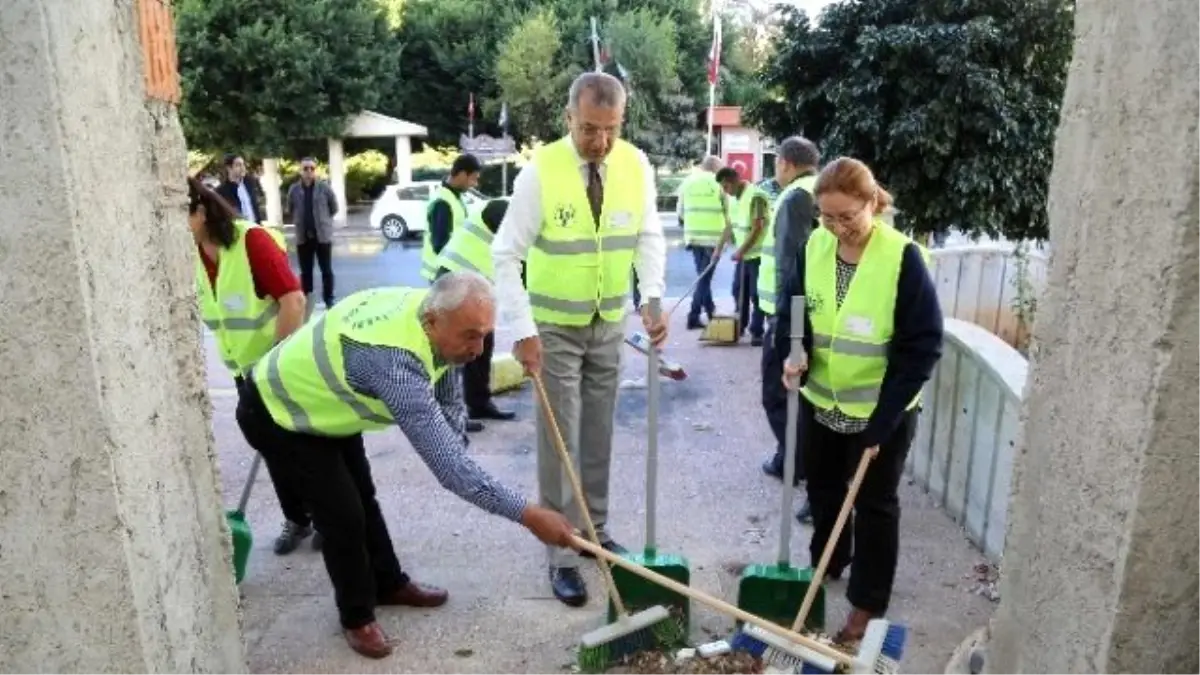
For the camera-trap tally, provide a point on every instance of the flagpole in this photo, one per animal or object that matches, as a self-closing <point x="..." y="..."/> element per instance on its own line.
<point x="595" y="46"/>
<point x="714" y="63"/>
<point x="471" y="117"/>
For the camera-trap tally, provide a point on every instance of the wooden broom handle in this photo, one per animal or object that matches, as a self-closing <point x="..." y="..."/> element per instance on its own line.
<point x="714" y="603"/>
<point x="834" y="535"/>
<point x="561" y="446"/>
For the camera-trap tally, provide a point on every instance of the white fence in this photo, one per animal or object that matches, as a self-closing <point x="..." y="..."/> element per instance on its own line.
<point x="963" y="452"/>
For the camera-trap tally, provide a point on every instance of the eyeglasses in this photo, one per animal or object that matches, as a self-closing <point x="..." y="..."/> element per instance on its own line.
<point x="843" y="219"/>
<point x="308" y="168"/>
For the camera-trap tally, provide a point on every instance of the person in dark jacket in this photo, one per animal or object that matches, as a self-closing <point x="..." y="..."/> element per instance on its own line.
<point x="869" y="348"/>
<point x="464" y="175"/>
<point x="242" y="190"/>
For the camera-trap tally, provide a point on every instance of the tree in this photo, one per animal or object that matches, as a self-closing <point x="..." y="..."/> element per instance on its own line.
<point x="300" y="70"/>
<point x="531" y="77"/>
<point x="953" y="103"/>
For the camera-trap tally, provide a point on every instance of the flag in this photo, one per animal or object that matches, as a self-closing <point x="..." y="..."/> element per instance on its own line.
<point x="471" y="107"/>
<point x="504" y="119"/>
<point x="598" y="48"/>
<point x="714" y="53"/>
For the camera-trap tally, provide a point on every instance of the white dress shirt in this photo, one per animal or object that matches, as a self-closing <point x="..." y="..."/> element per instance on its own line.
<point x="523" y="223"/>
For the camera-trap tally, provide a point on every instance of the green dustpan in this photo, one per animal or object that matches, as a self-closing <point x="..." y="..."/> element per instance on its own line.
<point x="638" y="592"/>
<point x="243" y="538"/>
<point x="776" y="591"/>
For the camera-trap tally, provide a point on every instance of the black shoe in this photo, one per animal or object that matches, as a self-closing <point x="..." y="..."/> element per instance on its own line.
<point x="610" y="546"/>
<point x="568" y="586"/>
<point x="694" y="324"/>
<point x="804" y="515"/>
<point x="755" y="340"/>
<point x="474" y="426"/>
<point x="290" y="537"/>
<point x="774" y="468"/>
<point x="491" y="412"/>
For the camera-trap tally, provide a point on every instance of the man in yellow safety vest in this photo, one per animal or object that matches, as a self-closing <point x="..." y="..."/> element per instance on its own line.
<point x="447" y="211"/>
<point x="584" y="213"/>
<point x="703" y="213"/>
<point x="470" y="248"/>
<point x="751" y="219"/>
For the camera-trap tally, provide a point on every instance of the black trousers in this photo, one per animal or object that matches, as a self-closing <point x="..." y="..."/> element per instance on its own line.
<point x="324" y="255"/>
<point x="334" y="477"/>
<point x="774" y="397"/>
<point x="477" y="376"/>
<point x="870" y="541"/>
<point x="290" y="503"/>
<point x="747" y="273"/>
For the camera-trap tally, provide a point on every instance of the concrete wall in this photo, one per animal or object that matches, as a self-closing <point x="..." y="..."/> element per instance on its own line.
<point x="963" y="452"/>
<point x="113" y="552"/>
<point x="1100" y="568"/>
<point x="983" y="283"/>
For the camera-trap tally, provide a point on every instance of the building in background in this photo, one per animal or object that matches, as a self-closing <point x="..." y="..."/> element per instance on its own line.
<point x="743" y="149"/>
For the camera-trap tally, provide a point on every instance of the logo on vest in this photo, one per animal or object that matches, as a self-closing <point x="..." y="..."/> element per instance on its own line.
<point x="564" y="215"/>
<point x="815" y="303"/>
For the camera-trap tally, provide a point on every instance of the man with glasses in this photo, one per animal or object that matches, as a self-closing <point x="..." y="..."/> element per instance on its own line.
<point x="583" y="214"/>
<point x="312" y="206"/>
<point x="796" y="162"/>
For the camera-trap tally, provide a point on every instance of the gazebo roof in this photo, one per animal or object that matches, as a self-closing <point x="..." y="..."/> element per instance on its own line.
<point x="368" y="124"/>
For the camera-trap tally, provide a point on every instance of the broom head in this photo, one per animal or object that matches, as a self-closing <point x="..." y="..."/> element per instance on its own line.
<point x="722" y="330"/>
<point x="243" y="540"/>
<point x="608" y="645"/>
<point x="775" y="593"/>
<point x="880" y="650"/>
<point x="639" y="593"/>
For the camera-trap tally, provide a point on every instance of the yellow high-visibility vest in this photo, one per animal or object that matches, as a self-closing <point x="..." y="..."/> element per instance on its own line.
<point x="745" y="220"/>
<point x="429" y="259"/>
<point x="768" y="284"/>
<point x="302" y="381"/>
<point x="576" y="269"/>
<point x="470" y="248"/>
<point x="703" y="213"/>
<point x="242" y="323"/>
<point x="850" y="343"/>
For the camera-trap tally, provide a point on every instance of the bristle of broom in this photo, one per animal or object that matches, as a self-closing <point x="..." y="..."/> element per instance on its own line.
<point x="608" y="645"/>
<point x="880" y="650"/>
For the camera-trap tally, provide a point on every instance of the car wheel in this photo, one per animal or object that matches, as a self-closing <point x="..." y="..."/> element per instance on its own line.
<point x="393" y="227"/>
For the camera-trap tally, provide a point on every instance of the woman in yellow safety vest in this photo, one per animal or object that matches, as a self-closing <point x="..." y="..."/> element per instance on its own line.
<point x="873" y="334"/>
<point x="250" y="299"/>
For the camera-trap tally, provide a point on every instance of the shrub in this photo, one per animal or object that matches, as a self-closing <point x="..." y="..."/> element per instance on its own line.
<point x="366" y="175"/>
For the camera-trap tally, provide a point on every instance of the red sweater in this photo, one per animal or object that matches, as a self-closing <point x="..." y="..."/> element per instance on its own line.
<point x="273" y="275"/>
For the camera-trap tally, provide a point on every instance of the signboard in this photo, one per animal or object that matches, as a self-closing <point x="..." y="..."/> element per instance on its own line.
<point x="742" y="163"/>
<point x="486" y="147"/>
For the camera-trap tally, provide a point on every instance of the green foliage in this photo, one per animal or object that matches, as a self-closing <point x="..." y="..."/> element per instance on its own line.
<point x="531" y="77"/>
<point x="365" y="173"/>
<point x="953" y="103"/>
<point x="259" y="75"/>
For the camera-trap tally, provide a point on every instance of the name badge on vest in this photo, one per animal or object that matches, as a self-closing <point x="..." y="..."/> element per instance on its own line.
<point x="860" y="325"/>
<point x="234" y="303"/>
<point x="620" y="219"/>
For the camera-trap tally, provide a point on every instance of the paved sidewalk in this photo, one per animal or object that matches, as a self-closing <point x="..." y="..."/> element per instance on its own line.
<point x="715" y="507"/>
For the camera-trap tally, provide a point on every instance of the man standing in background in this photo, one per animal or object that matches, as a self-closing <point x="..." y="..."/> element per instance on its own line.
<point x="796" y="163"/>
<point x="312" y="206"/>
<point x="702" y="213"/>
<point x="750" y="221"/>
<point x="447" y="211"/>
<point x="242" y="190"/>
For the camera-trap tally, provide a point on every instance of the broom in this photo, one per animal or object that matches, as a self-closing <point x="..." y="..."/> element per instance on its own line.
<point x="774" y="591"/>
<point x="882" y="639"/>
<point x="874" y="655"/>
<point x="239" y="529"/>
<point x="724" y="329"/>
<point x="641" y="342"/>
<point x="608" y="645"/>
<point x="636" y="591"/>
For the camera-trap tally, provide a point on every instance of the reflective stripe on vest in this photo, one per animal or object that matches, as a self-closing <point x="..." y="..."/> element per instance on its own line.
<point x="745" y="219"/>
<point x="303" y="383"/>
<point x="851" y="342"/>
<point x="470" y="248"/>
<point x="768" y="285"/>
<point x="703" y="215"/>
<point x="242" y="323"/>
<point x="575" y="269"/>
<point x="429" y="259"/>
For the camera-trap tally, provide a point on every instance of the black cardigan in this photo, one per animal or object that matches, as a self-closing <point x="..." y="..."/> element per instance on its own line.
<point x="916" y="342"/>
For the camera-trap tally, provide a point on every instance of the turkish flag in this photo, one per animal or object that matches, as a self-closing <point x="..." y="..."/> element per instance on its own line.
<point x="742" y="163"/>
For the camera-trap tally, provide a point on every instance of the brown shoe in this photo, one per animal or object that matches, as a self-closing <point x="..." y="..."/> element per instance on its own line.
<point x="413" y="594"/>
<point x="368" y="641"/>
<point x="855" y="627"/>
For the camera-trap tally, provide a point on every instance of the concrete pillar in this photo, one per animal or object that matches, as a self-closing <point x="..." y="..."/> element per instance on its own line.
<point x="271" y="182"/>
<point x="114" y="556"/>
<point x="337" y="178"/>
<point x="1100" y="566"/>
<point x="403" y="159"/>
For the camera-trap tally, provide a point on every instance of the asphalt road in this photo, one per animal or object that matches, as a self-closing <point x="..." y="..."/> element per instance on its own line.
<point x="362" y="258"/>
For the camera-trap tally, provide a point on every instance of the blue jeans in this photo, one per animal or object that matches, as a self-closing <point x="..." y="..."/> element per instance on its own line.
<point x="702" y="299"/>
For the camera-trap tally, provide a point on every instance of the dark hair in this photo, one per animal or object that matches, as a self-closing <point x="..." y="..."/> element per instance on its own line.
<point x="218" y="214"/>
<point x="465" y="163"/>
<point x="727" y="174"/>
<point x="230" y="158"/>
<point x="799" y="151"/>
<point x="493" y="213"/>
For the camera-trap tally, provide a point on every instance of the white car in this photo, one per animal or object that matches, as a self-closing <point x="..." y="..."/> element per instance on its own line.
<point x="399" y="213"/>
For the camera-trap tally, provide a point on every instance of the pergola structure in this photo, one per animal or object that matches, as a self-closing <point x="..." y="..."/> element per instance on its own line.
<point x="366" y="124"/>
